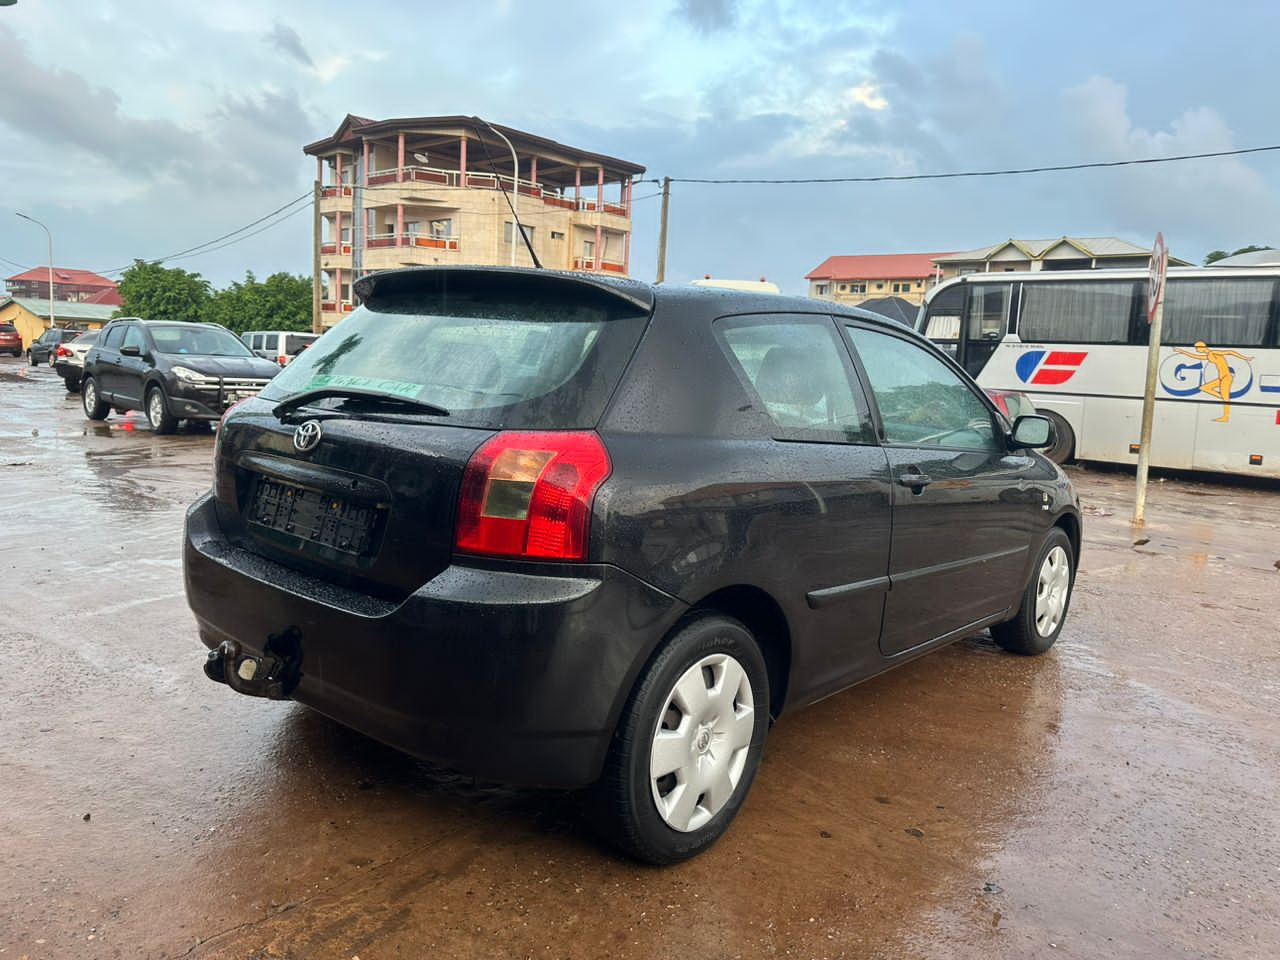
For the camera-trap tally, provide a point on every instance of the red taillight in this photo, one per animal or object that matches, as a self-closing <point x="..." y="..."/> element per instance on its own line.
<point x="529" y="495"/>
<point x="62" y="351"/>
<point x="282" y="359"/>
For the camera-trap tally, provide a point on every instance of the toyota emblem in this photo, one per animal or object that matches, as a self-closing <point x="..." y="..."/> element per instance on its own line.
<point x="307" y="437"/>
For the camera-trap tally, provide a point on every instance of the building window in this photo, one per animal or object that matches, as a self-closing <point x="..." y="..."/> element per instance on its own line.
<point x="821" y="289"/>
<point x="443" y="228"/>
<point x="857" y="288"/>
<point x="509" y="232"/>
<point x="879" y="286"/>
<point x="588" y="248"/>
<point x="557" y="235"/>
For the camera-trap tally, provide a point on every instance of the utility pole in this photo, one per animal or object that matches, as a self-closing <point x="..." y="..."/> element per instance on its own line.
<point x="1155" y="317"/>
<point x="662" y="230"/>
<point x="50" y="236"/>
<point x="316" y="325"/>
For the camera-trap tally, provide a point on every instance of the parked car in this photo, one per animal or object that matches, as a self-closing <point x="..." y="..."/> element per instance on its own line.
<point x="278" y="345"/>
<point x="10" y="340"/>
<point x="561" y="530"/>
<point x="42" y="348"/>
<point x="171" y="371"/>
<point x="68" y="359"/>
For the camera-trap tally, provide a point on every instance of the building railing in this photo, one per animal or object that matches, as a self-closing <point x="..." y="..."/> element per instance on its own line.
<point x="332" y="306"/>
<point x="473" y="180"/>
<point x="333" y="191"/>
<point x="392" y="239"/>
<point x="591" y="263"/>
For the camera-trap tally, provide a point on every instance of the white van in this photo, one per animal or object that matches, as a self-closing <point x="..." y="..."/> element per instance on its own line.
<point x="278" y="345"/>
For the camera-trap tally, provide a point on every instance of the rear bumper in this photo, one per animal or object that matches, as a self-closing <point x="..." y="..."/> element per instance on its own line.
<point x="68" y="371"/>
<point x="509" y="676"/>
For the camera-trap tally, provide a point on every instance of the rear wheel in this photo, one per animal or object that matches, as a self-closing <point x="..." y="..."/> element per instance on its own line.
<point x="31" y="359"/>
<point x="94" y="408"/>
<point x="158" y="415"/>
<point x="1064" y="438"/>
<point x="688" y="744"/>
<point x="73" y="386"/>
<point x="1045" y="600"/>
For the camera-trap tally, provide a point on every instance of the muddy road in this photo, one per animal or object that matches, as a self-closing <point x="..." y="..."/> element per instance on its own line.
<point x="1119" y="797"/>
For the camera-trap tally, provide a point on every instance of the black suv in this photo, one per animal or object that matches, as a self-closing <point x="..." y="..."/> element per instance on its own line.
<point x="42" y="348"/>
<point x="560" y="530"/>
<point x="171" y="371"/>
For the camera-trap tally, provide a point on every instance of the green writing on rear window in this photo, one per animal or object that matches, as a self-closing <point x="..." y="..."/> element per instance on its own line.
<point x="398" y="388"/>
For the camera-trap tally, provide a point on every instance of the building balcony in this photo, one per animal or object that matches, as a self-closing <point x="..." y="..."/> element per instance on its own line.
<point x="333" y="248"/>
<point x="333" y="306"/>
<point x="385" y="251"/>
<point x="599" y="265"/>
<point x="391" y="186"/>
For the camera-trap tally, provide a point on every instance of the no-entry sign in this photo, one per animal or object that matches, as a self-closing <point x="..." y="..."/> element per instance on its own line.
<point x="1155" y="276"/>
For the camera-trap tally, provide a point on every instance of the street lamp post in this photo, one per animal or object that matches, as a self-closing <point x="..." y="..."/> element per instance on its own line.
<point x="515" y="197"/>
<point x="50" y="236"/>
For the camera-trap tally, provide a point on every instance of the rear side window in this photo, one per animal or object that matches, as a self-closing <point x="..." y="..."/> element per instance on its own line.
<point x="113" y="335"/>
<point x="1086" y="311"/>
<point x="796" y="367"/>
<point x="547" y="356"/>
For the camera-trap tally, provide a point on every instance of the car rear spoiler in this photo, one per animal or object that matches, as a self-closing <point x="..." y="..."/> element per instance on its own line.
<point x="441" y="279"/>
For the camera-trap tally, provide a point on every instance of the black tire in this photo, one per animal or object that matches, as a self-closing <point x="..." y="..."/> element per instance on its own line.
<point x="31" y="359"/>
<point x="157" y="411"/>
<point x="73" y="386"/>
<point x="627" y="798"/>
<point x="1032" y="631"/>
<point x="94" y="408"/>
<point x="1064" y="438"/>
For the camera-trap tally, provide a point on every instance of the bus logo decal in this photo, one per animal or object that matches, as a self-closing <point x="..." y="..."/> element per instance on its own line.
<point x="1187" y="373"/>
<point x="1269" y="383"/>
<point x="1049" y="367"/>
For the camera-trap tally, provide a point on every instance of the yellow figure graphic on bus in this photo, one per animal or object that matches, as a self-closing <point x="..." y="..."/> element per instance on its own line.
<point x="1220" y="386"/>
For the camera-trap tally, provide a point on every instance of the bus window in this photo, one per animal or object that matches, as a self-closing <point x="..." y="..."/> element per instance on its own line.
<point x="1080" y="311"/>
<point x="988" y="311"/>
<point x="1225" y="312"/>
<point x="942" y="323"/>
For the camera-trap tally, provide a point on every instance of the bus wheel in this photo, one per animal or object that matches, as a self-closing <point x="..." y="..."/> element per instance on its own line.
<point x="1064" y="438"/>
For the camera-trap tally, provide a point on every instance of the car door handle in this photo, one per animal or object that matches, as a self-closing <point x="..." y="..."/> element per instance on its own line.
<point x="916" y="481"/>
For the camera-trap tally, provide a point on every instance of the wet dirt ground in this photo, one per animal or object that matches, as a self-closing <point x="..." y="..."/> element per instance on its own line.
<point x="1119" y="797"/>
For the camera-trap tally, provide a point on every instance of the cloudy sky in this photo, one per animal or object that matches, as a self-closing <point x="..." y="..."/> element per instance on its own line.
<point x="141" y="128"/>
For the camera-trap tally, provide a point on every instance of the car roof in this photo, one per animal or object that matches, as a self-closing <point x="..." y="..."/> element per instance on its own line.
<point x="720" y="301"/>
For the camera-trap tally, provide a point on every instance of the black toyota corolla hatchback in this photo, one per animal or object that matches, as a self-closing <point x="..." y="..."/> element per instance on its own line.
<point x="557" y="530"/>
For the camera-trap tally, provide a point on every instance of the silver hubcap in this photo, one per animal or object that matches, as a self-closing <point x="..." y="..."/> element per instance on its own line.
<point x="1052" y="590"/>
<point x="155" y="408"/>
<point x="701" y="741"/>
<point x="90" y="396"/>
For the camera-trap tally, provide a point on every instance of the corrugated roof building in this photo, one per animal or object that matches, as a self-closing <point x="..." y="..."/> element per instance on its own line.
<point x="853" y="279"/>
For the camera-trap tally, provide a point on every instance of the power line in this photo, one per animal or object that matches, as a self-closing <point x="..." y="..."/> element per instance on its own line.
<point x="1050" y="168"/>
<point x="189" y="251"/>
<point x="229" y="243"/>
<point x="14" y="263"/>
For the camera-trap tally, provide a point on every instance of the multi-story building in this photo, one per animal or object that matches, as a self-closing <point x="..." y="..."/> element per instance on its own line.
<point x="855" y="279"/>
<point x="427" y="190"/>
<point x="75" y="286"/>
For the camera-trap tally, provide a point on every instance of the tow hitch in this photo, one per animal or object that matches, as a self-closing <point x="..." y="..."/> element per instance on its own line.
<point x="272" y="675"/>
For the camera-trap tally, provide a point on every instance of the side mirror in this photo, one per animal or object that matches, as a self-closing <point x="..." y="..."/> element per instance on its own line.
<point x="130" y="351"/>
<point x="1030" y="432"/>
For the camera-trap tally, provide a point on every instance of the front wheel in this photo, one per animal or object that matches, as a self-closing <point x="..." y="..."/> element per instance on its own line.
<point x="688" y="744"/>
<point x="1045" y="600"/>
<point x="94" y="408"/>
<point x="158" y="415"/>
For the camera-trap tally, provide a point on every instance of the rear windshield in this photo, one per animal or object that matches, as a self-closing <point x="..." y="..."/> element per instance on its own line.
<point x="550" y="360"/>
<point x="295" y="343"/>
<point x="191" y="339"/>
<point x="8" y="328"/>
<point x="89" y="337"/>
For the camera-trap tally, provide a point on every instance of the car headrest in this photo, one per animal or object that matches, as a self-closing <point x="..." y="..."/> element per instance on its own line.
<point x="787" y="376"/>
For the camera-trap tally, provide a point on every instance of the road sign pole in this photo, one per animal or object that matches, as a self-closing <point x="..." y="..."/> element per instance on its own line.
<point x="1148" y="414"/>
<point x="1155" y="317"/>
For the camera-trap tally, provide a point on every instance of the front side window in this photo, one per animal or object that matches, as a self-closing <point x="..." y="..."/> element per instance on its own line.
<point x="1080" y="311"/>
<point x="796" y="367"/>
<point x="115" y="332"/>
<point x="922" y="401"/>
<point x="134" y="337"/>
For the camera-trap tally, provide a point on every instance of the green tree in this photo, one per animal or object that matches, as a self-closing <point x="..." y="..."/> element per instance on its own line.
<point x="281" y="302"/>
<point x="154" y="292"/>
<point x="1215" y="255"/>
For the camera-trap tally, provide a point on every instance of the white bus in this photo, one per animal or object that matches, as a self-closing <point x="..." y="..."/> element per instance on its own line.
<point x="1076" y="343"/>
